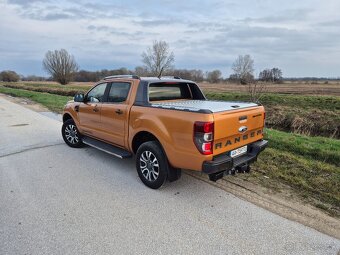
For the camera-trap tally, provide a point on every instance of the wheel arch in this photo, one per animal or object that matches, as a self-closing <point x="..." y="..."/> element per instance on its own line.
<point x="142" y="137"/>
<point x="145" y="136"/>
<point x="66" y="117"/>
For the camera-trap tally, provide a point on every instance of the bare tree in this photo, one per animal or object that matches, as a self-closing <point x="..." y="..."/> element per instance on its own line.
<point x="266" y="75"/>
<point x="271" y="75"/>
<point x="60" y="65"/>
<point x="243" y="68"/>
<point x="158" y="58"/>
<point x="214" y="76"/>
<point x="256" y="90"/>
<point x="187" y="74"/>
<point x="197" y="75"/>
<point x="277" y="75"/>
<point x="141" y="71"/>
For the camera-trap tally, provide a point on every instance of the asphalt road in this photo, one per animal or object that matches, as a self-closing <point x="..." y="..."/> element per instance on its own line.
<point x="59" y="200"/>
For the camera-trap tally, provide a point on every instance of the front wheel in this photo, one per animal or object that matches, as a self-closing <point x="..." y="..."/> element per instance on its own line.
<point x="152" y="165"/>
<point x="71" y="134"/>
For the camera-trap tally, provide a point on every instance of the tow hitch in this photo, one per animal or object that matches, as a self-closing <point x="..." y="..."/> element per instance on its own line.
<point x="239" y="169"/>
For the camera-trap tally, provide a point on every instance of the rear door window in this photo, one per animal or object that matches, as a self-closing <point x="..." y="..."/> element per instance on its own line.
<point x="118" y="92"/>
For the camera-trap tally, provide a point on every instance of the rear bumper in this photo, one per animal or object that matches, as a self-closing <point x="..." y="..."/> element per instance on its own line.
<point x="224" y="162"/>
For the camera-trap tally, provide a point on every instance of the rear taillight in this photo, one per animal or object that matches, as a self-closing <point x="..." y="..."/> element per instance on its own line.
<point x="204" y="137"/>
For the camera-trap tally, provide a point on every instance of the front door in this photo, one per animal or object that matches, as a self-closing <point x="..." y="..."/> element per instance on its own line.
<point x="114" y="113"/>
<point x="90" y="110"/>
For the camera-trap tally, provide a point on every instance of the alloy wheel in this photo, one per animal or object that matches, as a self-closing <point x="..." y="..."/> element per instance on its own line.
<point x="149" y="166"/>
<point x="71" y="134"/>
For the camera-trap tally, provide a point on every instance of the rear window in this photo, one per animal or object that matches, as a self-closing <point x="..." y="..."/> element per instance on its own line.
<point x="166" y="91"/>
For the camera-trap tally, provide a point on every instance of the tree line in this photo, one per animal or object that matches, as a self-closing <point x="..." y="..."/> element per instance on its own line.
<point x="158" y="60"/>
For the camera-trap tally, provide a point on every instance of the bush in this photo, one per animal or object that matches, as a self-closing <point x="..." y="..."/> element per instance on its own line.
<point x="9" y="76"/>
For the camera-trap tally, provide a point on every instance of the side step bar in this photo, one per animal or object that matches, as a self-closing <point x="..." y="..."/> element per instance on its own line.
<point x="108" y="148"/>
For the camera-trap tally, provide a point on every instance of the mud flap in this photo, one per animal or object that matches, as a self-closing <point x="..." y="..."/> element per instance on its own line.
<point x="174" y="174"/>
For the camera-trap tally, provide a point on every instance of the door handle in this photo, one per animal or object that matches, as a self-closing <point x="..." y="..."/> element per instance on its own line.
<point x="119" y="111"/>
<point x="95" y="109"/>
<point x="76" y="108"/>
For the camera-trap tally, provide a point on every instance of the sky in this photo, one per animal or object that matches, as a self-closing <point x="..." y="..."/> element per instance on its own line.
<point x="300" y="37"/>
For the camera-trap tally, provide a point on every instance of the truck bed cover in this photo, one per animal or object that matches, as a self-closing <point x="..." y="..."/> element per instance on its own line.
<point x="203" y="106"/>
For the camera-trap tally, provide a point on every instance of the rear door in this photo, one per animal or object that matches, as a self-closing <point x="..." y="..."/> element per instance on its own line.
<point x="115" y="114"/>
<point x="234" y="129"/>
<point x="89" y="111"/>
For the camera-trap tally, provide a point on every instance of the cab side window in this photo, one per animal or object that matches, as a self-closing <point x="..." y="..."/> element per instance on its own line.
<point x="96" y="95"/>
<point x="118" y="92"/>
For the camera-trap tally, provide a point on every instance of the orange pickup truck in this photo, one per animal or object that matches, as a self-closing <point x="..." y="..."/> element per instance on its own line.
<point x="168" y="124"/>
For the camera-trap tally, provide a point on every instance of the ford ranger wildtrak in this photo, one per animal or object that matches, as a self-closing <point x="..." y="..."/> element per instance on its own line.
<point x="168" y="124"/>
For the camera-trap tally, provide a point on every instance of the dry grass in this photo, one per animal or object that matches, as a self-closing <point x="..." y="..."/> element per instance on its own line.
<point x="307" y="121"/>
<point x="300" y="88"/>
<point x="90" y="84"/>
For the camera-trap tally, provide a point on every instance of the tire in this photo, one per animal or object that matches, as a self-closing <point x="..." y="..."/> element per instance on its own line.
<point x="152" y="164"/>
<point x="71" y="135"/>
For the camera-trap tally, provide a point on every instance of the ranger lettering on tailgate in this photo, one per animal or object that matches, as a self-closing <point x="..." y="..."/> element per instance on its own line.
<point x="238" y="139"/>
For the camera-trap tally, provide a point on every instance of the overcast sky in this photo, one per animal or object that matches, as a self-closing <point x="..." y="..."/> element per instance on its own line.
<point x="300" y="37"/>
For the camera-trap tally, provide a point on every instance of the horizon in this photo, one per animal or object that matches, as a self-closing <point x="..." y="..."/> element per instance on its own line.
<point x="303" y="78"/>
<point x="301" y="38"/>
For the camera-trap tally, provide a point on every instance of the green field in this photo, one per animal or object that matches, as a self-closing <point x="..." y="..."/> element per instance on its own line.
<point x="310" y="165"/>
<point x="55" y="103"/>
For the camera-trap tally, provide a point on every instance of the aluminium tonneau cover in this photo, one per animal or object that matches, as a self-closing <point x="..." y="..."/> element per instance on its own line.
<point x="203" y="106"/>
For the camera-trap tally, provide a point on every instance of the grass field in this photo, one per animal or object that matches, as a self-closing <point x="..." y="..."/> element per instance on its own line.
<point x="54" y="103"/>
<point x="295" y="88"/>
<point x="309" y="165"/>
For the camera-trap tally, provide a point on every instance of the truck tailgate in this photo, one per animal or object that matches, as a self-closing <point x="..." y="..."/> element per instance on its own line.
<point x="234" y="129"/>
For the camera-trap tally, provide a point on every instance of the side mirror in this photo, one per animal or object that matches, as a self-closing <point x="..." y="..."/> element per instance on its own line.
<point x="79" y="97"/>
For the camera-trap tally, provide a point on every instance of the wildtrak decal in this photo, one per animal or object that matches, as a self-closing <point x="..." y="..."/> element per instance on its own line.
<point x="238" y="139"/>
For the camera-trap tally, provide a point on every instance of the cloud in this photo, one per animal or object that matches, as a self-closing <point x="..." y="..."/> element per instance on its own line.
<point x="289" y="15"/>
<point x="204" y="34"/>
<point x="120" y="32"/>
<point x="330" y="24"/>
<point x="76" y="10"/>
<point x="156" y="22"/>
<point x="49" y="16"/>
<point x="25" y="2"/>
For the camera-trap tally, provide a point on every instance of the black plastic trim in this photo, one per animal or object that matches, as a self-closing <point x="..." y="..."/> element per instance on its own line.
<point x="173" y="109"/>
<point x="224" y="162"/>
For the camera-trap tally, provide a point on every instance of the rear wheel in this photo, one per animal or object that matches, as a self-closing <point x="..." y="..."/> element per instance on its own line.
<point x="152" y="165"/>
<point x="71" y="134"/>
